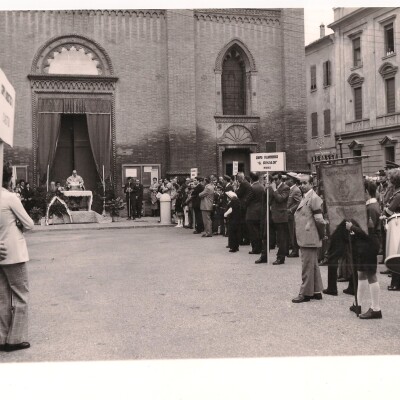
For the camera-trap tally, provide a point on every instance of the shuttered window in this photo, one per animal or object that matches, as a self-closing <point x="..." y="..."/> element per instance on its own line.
<point x="389" y="39"/>
<point x="327" y="73"/>
<point x="314" y="125"/>
<point x="313" y="71"/>
<point x="233" y="86"/>
<point x="390" y="96"/>
<point x="327" y="122"/>
<point x="357" y="52"/>
<point x="389" y="153"/>
<point x="357" y="103"/>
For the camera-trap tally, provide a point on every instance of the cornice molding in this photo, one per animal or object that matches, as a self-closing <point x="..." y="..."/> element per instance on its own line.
<point x="150" y="13"/>
<point x="236" y="119"/>
<point x="355" y="80"/>
<point x="86" y="83"/>
<point x="240" y="15"/>
<point x="242" y="49"/>
<point x="388" y="70"/>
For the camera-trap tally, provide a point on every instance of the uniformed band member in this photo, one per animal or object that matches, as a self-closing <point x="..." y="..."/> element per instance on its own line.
<point x="310" y="226"/>
<point x="130" y="193"/>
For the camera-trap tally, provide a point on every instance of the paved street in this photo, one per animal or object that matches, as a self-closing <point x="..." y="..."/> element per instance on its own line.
<point x="164" y="293"/>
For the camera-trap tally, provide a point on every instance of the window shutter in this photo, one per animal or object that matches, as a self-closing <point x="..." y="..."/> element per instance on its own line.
<point x="390" y="96"/>
<point x="328" y="73"/>
<point x="327" y="122"/>
<point x="313" y="77"/>
<point x="314" y="125"/>
<point x="358" y="103"/>
<point x="324" y="70"/>
<point x="270" y="147"/>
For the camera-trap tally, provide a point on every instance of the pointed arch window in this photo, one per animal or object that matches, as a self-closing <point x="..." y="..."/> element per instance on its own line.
<point x="233" y="84"/>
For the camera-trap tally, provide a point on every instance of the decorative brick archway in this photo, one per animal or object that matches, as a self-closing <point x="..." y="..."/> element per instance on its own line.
<point x="100" y="84"/>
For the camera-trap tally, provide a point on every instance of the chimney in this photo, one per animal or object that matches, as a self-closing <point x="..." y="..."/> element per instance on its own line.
<point x="322" y="30"/>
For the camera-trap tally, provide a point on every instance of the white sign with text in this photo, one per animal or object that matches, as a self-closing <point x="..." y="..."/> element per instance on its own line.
<point x="267" y="162"/>
<point x="235" y="167"/>
<point x="7" y="109"/>
<point x="193" y="173"/>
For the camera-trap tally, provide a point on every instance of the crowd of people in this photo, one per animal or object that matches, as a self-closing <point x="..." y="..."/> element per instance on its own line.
<point x="296" y="226"/>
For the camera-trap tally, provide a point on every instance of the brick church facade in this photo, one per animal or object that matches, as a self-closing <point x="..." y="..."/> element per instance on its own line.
<point x="152" y="93"/>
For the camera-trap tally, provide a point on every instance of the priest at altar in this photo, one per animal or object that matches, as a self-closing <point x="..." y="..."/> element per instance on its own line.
<point x="75" y="182"/>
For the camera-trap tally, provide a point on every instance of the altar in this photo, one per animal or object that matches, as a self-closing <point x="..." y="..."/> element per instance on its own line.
<point x="80" y="193"/>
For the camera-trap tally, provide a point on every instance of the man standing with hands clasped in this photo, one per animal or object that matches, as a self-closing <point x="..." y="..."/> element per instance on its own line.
<point x="310" y="228"/>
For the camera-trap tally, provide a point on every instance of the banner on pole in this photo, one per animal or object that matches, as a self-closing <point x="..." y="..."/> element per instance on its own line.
<point x="235" y="167"/>
<point x="7" y="109"/>
<point x="267" y="162"/>
<point x="344" y="193"/>
<point x="193" y="173"/>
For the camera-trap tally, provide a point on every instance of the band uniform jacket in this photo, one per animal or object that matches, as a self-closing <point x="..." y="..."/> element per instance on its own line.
<point x="306" y="226"/>
<point x="243" y="193"/>
<point x="195" y="195"/>
<point x="278" y="200"/>
<point x="12" y="209"/>
<point x="255" y="202"/>
<point x="293" y="199"/>
<point x="207" y="198"/>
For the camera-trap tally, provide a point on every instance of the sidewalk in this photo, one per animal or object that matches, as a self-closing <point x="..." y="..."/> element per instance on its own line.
<point x="123" y="223"/>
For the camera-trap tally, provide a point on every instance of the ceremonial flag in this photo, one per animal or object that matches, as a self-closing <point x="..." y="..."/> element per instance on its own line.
<point x="344" y="193"/>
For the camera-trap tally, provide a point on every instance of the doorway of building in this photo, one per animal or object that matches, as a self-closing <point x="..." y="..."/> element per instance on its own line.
<point x="74" y="152"/>
<point x="241" y="156"/>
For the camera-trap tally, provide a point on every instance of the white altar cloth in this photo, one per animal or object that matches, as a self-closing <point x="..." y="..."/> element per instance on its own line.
<point x="80" y="193"/>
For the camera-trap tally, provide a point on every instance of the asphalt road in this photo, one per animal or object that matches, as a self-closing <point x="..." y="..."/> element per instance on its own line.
<point x="164" y="293"/>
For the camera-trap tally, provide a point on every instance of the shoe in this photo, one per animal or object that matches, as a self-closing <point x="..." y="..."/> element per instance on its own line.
<point x="371" y="314"/>
<point x="254" y="252"/>
<point x="227" y="247"/>
<point x="316" y="296"/>
<point x="341" y="279"/>
<point x="205" y="235"/>
<point x="387" y="272"/>
<point x="301" y="299"/>
<point x="323" y="262"/>
<point x="278" y="261"/>
<point x="233" y="250"/>
<point x="13" y="347"/>
<point x="195" y="232"/>
<point x="355" y="309"/>
<point x="129" y="218"/>
<point x="393" y="288"/>
<point x="293" y="255"/>
<point x="332" y="293"/>
<point x="261" y="260"/>
<point x="348" y="291"/>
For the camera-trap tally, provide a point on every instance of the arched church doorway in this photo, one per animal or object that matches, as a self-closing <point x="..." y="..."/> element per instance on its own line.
<point x="242" y="156"/>
<point x="74" y="152"/>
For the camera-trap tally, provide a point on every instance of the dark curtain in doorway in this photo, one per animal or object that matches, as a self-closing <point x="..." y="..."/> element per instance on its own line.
<point x="49" y="132"/>
<point x="99" y="129"/>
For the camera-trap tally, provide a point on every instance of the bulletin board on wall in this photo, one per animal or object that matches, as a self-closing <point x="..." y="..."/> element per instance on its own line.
<point x="144" y="172"/>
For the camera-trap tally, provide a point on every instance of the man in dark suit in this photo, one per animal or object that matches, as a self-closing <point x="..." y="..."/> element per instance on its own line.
<point x="279" y="194"/>
<point x="292" y="204"/>
<point x="139" y="198"/>
<point x="130" y="194"/>
<point x="196" y="200"/>
<point x="243" y="193"/>
<point x="254" y="213"/>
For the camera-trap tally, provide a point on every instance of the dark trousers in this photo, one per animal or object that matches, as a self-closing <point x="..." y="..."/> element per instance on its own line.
<point x="282" y="236"/>
<point x="253" y="228"/>
<point x="139" y="205"/>
<point x="243" y="227"/>
<point x="199" y="226"/>
<point x="395" y="279"/>
<point x="292" y="235"/>
<point x="218" y="221"/>
<point x="272" y="233"/>
<point x="190" y="217"/>
<point x="264" y="239"/>
<point x="131" y="206"/>
<point x="234" y="236"/>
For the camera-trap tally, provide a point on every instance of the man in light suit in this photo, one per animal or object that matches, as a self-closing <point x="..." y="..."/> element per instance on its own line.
<point x="293" y="202"/>
<point x="279" y="194"/>
<point x="254" y="213"/>
<point x="310" y="226"/>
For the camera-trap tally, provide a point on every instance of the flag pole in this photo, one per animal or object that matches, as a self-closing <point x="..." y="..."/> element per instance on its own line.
<point x="267" y="218"/>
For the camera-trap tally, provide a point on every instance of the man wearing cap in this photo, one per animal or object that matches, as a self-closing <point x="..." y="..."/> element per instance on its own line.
<point x="279" y="194"/>
<point x="254" y="213"/>
<point x="310" y="227"/>
<point x="293" y="202"/>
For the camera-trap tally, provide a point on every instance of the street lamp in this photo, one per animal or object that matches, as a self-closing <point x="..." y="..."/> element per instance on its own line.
<point x="340" y="143"/>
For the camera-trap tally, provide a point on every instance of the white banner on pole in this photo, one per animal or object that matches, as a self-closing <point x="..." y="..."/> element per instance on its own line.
<point x="235" y="167"/>
<point x="7" y="109"/>
<point x="193" y="173"/>
<point x="267" y="162"/>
